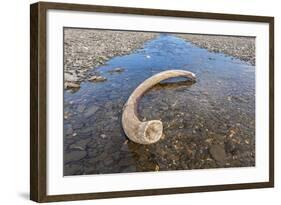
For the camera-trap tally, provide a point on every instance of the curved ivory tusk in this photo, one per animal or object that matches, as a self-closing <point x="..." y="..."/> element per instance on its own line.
<point x="150" y="131"/>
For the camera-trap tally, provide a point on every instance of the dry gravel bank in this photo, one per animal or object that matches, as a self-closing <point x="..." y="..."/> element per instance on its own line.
<point x="239" y="47"/>
<point x="88" y="48"/>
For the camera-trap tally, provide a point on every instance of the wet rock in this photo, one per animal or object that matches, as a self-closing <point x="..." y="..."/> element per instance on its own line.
<point x="92" y="152"/>
<point x="174" y="157"/>
<point x="96" y="78"/>
<point x="77" y="125"/>
<point x="81" y="108"/>
<point x="71" y="85"/>
<point x="126" y="162"/>
<point x="116" y="70"/>
<point x="72" y="169"/>
<point x="131" y="168"/>
<point x="218" y="153"/>
<point x="190" y="153"/>
<point x="97" y="158"/>
<point x="74" y="156"/>
<point x="80" y="144"/>
<point x="90" y="111"/>
<point x="85" y="132"/>
<point x="230" y="146"/>
<point x="68" y="129"/>
<point x="108" y="161"/>
<point x="125" y="148"/>
<point x="102" y="156"/>
<point x="69" y="141"/>
<point x="219" y="138"/>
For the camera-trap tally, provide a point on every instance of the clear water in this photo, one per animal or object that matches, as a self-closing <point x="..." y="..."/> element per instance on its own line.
<point x="209" y="124"/>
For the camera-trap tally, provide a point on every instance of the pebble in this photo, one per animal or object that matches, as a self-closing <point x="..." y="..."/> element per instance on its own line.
<point x="103" y="136"/>
<point x="131" y="168"/>
<point x="68" y="130"/>
<point x="125" y="148"/>
<point x="74" y="156"/>
<point x="247" y="141"/>
<point x="230" y="146"/>
<point x="116" y="70"/>
<point x="96" y="78"/>
<point x="70" y="169"/>
<point x="71" y="85"/>
<point x="90" y="111"/>
<point x="218" y="153"/>
<point x="70" y="77"/>
<point x="81" y="144"/>
<point x="108" y="161"/>
<point x="81" y="108"/>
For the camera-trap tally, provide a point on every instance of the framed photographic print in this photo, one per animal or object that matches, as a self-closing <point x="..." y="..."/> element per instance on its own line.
<point x="134" y="102"/>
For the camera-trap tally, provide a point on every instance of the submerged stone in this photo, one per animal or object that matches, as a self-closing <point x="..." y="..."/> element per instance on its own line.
<point x="218" y="153"/>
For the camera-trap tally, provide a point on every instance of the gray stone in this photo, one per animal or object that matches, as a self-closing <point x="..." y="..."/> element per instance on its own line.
<point x="80" y="144"/>
<point x="108" y="161"/>
<point x="124" y="148"/>
<point x="74" y="156"/>
<point x="131" y="168"/>
<point x="101" y="157"/>
<point x="96" y="78"/>
<point x="72" y="169"/>
<point x="116" y="70"/>
<point x="87" y="131"/>
<point x="68" y="130"/>
<point x="70" y="77"/>
<point x="90" y="111"/>
<point x="81" y="108"/>
<point x="124" y="162"/>
<point x="77" y="125"/>
<point x="71" y="85"/>
<point x="218" y="153"/>
<point x="230" y="146"/>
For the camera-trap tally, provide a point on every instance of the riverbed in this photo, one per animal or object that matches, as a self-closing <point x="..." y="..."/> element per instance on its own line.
<point x="207" y="124"/>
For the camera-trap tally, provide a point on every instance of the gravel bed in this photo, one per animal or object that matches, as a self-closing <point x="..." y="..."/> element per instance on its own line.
<point x="85" y="49"/>
<point x="239" y="47"/>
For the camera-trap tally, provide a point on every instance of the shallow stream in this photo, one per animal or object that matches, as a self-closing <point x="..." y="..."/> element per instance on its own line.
<point x="208" y="124"/>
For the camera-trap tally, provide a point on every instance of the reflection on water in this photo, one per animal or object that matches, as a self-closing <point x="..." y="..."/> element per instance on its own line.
<point x="209" y="124"/>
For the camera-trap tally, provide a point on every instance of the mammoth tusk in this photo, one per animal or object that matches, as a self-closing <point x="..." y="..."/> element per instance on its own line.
<point x="147" y="132"/>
